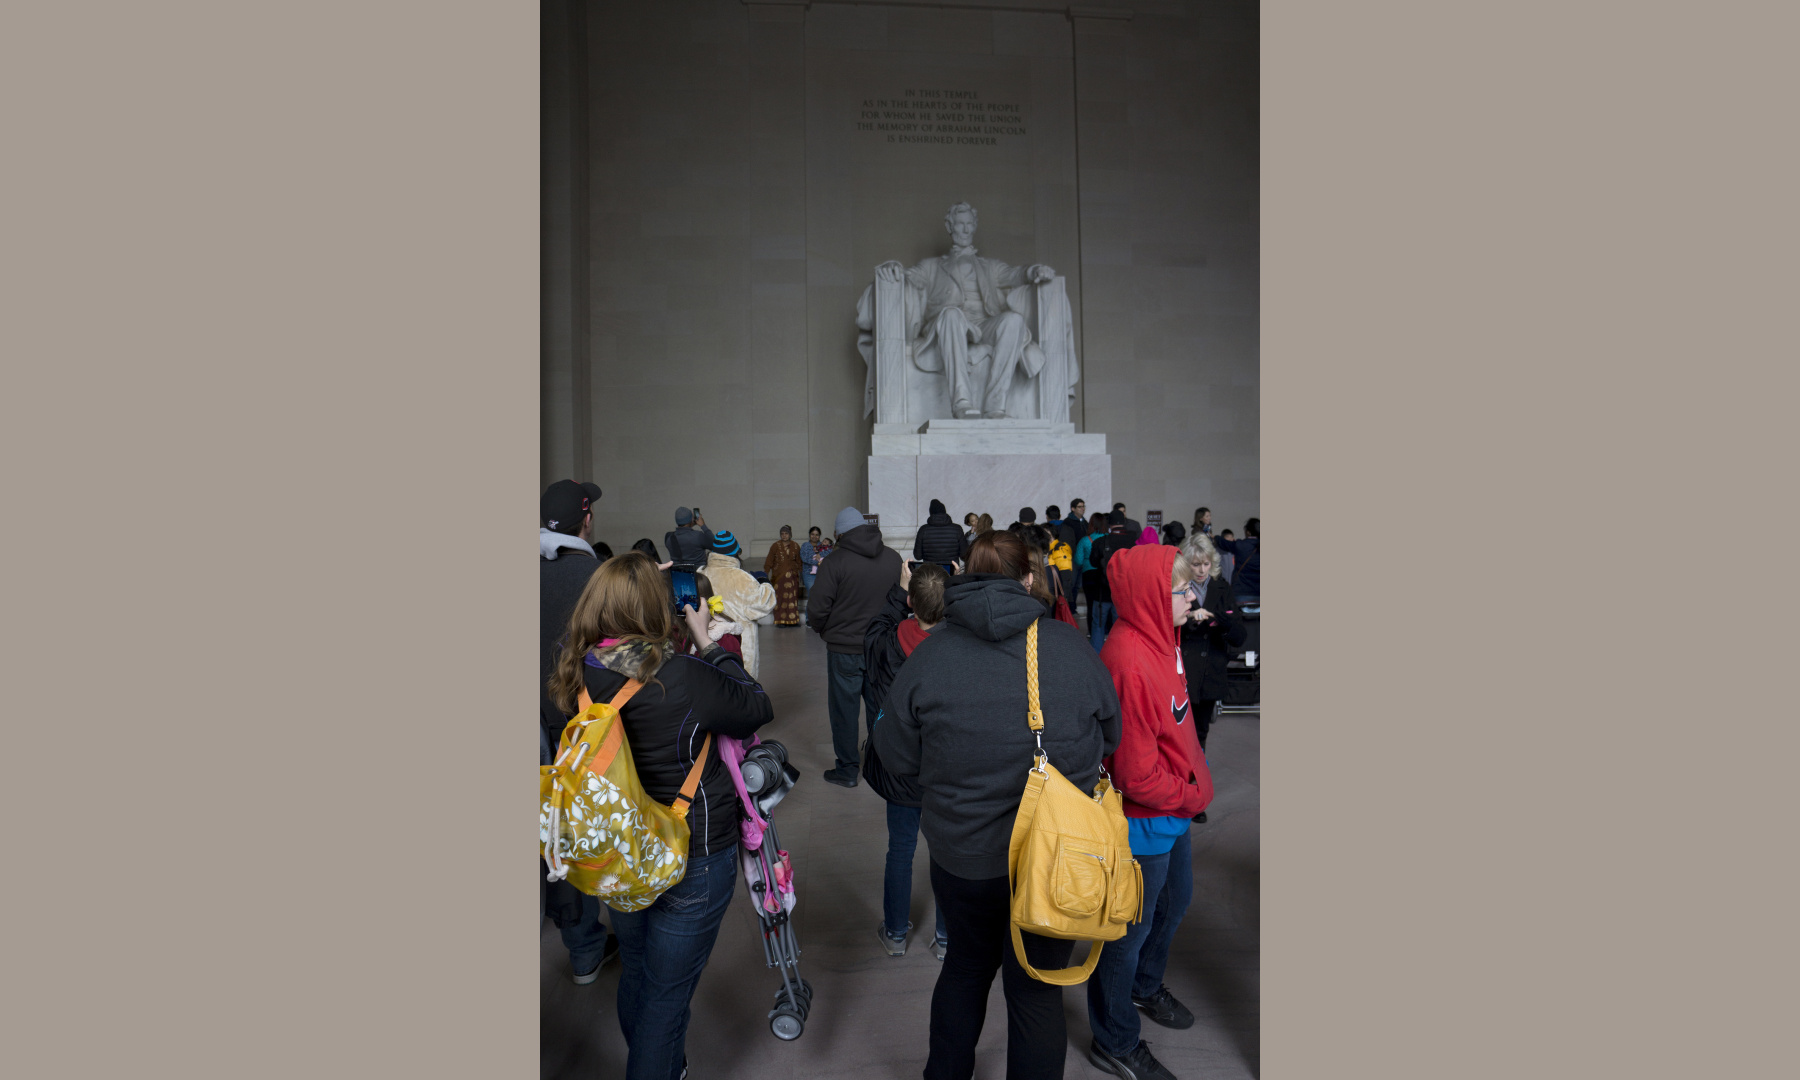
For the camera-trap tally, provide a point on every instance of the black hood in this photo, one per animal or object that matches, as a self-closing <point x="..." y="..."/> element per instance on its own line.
<point x="864" y="540"/>
<point x="937" y="507"/>
<point x="991" y="606"/>
<point x="938" y="517"/>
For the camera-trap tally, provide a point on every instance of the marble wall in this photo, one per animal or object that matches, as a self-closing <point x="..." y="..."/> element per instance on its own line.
<point x="734" y="211"/>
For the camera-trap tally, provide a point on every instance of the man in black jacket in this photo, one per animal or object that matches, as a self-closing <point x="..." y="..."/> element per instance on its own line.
<point x="687" y="542"/>
<point x="939" y="540"/>
<point x="1131" y="524"/>
<point x="1246" y="573"/>
<point x="1075" y="526"/>
<point x="566" y="560"/>
<point x="850" y="589"/>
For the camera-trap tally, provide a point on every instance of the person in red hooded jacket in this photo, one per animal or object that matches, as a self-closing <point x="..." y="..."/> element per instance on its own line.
<point x="1161" y="771"/>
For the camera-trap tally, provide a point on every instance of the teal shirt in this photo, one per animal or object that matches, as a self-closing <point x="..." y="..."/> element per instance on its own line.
<point x="1081" y="553"/>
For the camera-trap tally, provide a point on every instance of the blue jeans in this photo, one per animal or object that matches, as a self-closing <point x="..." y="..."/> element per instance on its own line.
<point x="896" y="886"/>
<point x="845" y="702"/>
<point x="577" y="918"/>
<point x="664" y="948"/>
<point x="1134" y="964"/>
<point x="1101" y="616"/>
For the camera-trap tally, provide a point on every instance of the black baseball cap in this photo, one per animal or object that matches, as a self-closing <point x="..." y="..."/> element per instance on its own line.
<point x="564" y="503"/>
<point x="593" y="492"/>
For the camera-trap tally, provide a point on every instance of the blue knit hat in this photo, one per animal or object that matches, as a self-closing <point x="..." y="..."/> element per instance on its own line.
<point x="848" y="518"/>
<point x="726" y="544"/>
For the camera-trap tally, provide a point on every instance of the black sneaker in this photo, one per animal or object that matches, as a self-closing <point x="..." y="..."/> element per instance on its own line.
<point x="1200" y="818"/>
<point x="844" y="777"/>
<point x="1137" y="1065"/>
<point x="608" y="953"/>
<point x="1164" y="1009"/>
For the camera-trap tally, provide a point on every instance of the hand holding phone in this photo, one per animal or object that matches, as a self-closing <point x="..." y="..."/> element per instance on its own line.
<point x="697" y="623"/>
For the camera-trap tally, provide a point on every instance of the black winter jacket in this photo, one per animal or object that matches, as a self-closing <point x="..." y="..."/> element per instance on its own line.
<point x="940" y="540"/>
<point x="1206" y="649"/>
<point x="686" y="546"/>
<point x="955" y="718"/>
<point x="851" y="587"/>
<point x="666" y="726"/>
<point x="882" y="659"/>
<point x="882" y="655"/>
<point x="1246" y="576"/>
<point x="560" y="581"/>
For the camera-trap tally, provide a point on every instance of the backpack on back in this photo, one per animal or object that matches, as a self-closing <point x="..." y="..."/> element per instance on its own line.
<point x="597" y="827"/>
<point x="1106" y="545"/>
<point x="1061" y="557"/>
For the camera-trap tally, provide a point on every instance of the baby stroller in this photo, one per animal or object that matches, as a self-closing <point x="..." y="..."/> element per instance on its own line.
<point x="763" y="778"/>
<point x="1244" y="671"/>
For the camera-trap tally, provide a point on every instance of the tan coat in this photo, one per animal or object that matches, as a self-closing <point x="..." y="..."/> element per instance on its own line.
<point x="746" y="600"/>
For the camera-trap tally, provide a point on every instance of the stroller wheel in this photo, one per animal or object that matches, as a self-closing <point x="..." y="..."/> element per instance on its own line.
<point x="806" y="991"/>
<point x="786" y="1026"/>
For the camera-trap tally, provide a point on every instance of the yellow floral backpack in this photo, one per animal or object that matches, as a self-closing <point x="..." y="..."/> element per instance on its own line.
<point x="1072" y="872"/>
<point x="597" y="827"/>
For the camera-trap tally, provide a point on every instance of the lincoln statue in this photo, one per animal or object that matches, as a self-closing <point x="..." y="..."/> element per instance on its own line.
<point x="966" y="304"/>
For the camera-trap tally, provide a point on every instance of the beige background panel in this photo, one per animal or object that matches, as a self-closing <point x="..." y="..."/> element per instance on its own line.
<point x="1579" y="871"/>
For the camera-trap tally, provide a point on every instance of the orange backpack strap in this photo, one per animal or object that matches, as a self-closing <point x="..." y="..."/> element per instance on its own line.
<point x="615" y="737"/>
<point x="692" y="783"/>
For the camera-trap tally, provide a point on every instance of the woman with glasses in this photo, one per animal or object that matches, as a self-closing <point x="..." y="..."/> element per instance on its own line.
<point x="1161" y="771"/>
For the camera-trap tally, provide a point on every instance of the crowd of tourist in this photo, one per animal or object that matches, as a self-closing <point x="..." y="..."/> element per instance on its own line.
<point x="932" y="650"/>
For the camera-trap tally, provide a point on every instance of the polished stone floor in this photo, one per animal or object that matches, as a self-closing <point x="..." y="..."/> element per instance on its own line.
<point x="869" y="1014"/>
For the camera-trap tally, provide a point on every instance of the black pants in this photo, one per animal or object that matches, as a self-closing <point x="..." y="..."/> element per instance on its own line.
<point x="1203" y="718"/>
<point x="977" y="922"/>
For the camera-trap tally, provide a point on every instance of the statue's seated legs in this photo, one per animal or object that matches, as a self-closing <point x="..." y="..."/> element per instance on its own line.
<point x="1003" y="337"/>
<point x="1007" y="333"/>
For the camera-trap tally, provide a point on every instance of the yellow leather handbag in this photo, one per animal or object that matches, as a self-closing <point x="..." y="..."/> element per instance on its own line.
<point x="596" y="826"/>
<point x="1070" y="864"/>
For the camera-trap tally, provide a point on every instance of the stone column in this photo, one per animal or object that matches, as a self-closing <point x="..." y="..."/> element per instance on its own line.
<point x="890" y="352"/>
<point x="1052" y="333"/>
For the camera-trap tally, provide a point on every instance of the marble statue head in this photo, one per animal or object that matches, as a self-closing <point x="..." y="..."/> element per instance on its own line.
<point x="959" y="222"/>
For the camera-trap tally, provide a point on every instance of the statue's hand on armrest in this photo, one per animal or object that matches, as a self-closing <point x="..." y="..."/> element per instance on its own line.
<point x="1039" y="274"/>
<point x="889" y="271"/>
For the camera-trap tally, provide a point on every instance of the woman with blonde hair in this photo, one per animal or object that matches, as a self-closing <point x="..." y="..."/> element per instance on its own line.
<point x="1208" y="639"/>
<point x="619" y="647"/>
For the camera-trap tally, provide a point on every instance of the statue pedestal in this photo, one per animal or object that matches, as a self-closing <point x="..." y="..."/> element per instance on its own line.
<point x="985" y="466"/>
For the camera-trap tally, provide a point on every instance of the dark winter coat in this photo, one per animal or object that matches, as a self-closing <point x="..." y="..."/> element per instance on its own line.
<point x="666" y="724"/>
<point x="940" y="540"/>
<point x="955" y="718"/>
<point x="851" y="587"/>
<point x="1206" y="649"/>
<point x="686" y="545"/>
<point x="884" y="651"/>
<point x="1094" y="582"/>
<point x="560" y="581"/>
<point x="1246" y="576"/>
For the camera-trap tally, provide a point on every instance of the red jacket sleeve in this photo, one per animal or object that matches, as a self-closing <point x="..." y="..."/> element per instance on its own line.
<point x="1142" y="768"/>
